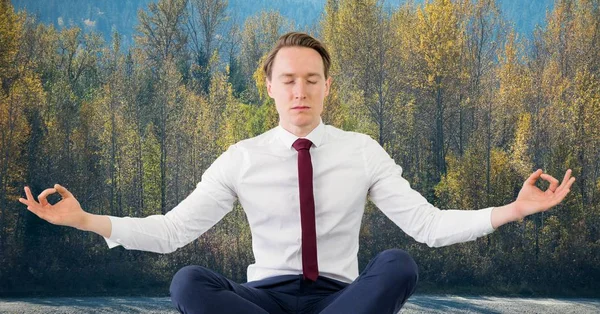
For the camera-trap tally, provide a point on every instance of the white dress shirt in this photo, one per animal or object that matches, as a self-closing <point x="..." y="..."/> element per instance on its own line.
<point x="262" y="173"/>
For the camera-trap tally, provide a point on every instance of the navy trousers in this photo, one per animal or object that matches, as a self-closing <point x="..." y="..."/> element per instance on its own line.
<point x="383" y="287"/>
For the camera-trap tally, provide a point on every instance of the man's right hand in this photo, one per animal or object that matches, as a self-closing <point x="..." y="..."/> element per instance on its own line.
<point x="67" y="212"/>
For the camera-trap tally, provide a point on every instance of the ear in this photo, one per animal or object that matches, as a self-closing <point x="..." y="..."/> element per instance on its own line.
<point x="268" y="83"/>
<point x="327" y="85"/>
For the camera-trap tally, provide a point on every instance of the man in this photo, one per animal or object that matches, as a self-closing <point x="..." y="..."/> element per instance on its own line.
<point x="303" y="186"/>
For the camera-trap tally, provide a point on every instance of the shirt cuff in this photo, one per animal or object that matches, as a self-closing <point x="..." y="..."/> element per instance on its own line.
<point x="486" y="221"/>
<point x="116" y="234"/>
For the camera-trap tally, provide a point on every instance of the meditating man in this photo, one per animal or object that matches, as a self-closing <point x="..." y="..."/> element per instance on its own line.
<point x="303" y="186"/>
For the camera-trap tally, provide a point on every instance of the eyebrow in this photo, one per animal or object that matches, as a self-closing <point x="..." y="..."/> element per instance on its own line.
<point x="288" y="75"/>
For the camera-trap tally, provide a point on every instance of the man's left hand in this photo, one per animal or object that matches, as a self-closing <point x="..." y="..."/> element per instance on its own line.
<point x="532" y="200"/>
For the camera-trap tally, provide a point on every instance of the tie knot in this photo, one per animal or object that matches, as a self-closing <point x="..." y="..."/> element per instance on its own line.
<point x="302" y="144"/>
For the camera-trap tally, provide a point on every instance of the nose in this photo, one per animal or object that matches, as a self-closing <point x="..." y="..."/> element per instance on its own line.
<point x="300" y="90"/>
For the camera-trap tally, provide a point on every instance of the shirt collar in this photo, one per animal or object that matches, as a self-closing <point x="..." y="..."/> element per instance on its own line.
<point x="315" y="136"/>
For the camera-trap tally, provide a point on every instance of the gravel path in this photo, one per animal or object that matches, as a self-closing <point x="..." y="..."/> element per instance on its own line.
<point x="416" y="304"/>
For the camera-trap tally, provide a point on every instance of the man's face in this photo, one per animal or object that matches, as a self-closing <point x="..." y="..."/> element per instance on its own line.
<point x="299" y="87"/>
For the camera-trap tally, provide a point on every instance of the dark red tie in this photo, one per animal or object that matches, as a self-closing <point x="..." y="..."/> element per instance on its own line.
<point x="310" y="267"/>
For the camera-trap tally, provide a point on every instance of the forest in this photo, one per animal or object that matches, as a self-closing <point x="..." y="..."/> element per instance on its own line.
<point x="465" y="104"/>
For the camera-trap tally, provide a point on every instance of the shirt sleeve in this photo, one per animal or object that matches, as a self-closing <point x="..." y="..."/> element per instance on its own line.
<point x="212" y="199"/>
<point x="408" y="209"/>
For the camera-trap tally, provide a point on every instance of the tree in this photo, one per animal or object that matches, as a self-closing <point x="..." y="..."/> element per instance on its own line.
<point x="204" y="21"/>
<point x="168" y="102"/>
<point x="441" y="41"/>
<point x="162" y="36"/>
<point x="258" y="36"/>
<point x="484" y="34"/>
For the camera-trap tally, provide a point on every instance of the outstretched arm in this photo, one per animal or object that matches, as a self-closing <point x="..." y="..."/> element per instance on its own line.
<point x="212" y="199"/>
<point x="532" y="200"/>
<point x="67" y="212"/>
<point x="427" y="224"/>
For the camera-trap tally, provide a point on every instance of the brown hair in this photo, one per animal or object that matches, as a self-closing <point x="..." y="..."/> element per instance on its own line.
<point x="295" y="39"/>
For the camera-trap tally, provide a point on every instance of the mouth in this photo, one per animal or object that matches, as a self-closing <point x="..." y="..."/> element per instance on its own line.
<point x="300" y="108"/>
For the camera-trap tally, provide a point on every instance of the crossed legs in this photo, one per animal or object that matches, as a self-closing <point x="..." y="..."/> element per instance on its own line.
<point x="383" y="287"/>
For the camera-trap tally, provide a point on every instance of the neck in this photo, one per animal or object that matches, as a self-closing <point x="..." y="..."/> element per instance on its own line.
<point x="300" y="131"/>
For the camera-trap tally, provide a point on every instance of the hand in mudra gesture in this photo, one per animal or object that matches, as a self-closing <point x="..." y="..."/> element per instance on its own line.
<point x="67" y="212"/>
<point x="532" y="200"/>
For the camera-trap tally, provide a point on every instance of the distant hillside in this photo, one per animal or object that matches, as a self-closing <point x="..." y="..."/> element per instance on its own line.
<point x="106" y="16"/>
